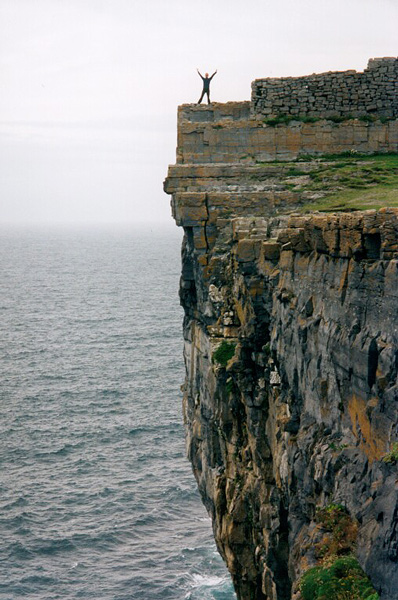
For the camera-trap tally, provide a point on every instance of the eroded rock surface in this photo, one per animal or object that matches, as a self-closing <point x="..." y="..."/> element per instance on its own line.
<point x="304" y="411"/>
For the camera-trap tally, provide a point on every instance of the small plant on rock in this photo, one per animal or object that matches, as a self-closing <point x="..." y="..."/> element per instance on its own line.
<point x="392" y="456"/>
<point x="341" y="531"/>
<point x="224" y="353"/>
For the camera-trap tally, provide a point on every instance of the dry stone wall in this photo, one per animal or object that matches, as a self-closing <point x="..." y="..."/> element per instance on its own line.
<point x="373" y="92"/>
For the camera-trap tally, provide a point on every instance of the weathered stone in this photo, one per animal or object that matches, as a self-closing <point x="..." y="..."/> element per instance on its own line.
<point x="247" y="251"/>
<point x="331" y="94"/>
<point x="271" y="250"/>
<point x="250" y="139"/>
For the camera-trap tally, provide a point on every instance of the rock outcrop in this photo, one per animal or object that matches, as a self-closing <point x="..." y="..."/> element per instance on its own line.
<point x="291" y="354"/>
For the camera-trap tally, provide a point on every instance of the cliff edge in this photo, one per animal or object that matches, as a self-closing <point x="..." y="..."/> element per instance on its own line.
<point x="290" y="293"/>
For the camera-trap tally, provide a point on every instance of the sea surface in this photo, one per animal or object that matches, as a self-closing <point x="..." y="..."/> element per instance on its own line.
<point x="97" y="499"/>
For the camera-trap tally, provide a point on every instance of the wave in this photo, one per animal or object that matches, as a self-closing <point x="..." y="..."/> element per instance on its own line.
<point x="210" y="587"/>
<point x="174" y="427"/>
<point x="19" y="551"/>
<point x="21" y="501"/>
<point x="199" y="580"/>
<point x="64" y="451"/>
<point x="52" y="547"/>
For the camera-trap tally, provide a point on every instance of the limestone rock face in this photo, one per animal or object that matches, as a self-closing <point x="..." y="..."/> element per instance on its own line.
<point x="303" y="412"/>
<point x="291" y="355"/>
<point x="233" y="133"/>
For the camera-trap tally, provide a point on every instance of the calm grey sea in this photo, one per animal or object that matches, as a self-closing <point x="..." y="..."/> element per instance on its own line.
<point x="97" y="498"/>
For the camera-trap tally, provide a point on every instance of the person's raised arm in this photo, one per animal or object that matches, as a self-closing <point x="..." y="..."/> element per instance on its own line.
<point x="200" y="73"/>
<point x="213" y="74"/>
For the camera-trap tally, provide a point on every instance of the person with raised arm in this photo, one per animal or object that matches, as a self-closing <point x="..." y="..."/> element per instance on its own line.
<point x="206" y="86"/>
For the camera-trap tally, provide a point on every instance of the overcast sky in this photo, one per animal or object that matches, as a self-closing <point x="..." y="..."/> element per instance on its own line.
<point x="90" y="88"/>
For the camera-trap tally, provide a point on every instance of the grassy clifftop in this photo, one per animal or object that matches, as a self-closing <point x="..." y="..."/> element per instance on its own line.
<point x="343" y="182"/>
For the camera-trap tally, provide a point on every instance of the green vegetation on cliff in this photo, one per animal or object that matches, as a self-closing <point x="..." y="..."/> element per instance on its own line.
<point x="285" y="119"/>
<point x="354" y="182"/>
<point x="338" y="574"/>
<point x="341" y="531"/>
<point x="224" y="353"/>
<point x="342" y="182"/>
<point x="343" y="579"/>
<point x="392" y="456"/>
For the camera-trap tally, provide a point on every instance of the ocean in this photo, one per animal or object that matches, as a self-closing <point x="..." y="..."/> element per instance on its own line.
<point x="97" y="498"/>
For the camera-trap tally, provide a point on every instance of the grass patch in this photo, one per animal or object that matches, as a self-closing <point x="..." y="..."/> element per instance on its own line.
<point x="337" y="447"/>
<point x="343" y="579"/>
<point x="309" y="119"/>
<point x="352" y="200"/>
<point x="279" y="120"/>
<point x="267" y="349"/>
<point x="294" y="172"/>
<point x="351" y="154"/>
<point x="285" y="119"/>
<point x="369" y="118"/>
<point x="339" y="118"/>
<point x="224" y="353"/>
<point x="349" y="182"/>
<point x="392" y="456"/>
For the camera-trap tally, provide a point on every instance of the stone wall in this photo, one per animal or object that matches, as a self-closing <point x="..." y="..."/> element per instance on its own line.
<point x="373" y="92"/>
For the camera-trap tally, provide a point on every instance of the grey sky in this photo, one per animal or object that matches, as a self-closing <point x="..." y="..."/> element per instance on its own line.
<point x="89" y="88"/>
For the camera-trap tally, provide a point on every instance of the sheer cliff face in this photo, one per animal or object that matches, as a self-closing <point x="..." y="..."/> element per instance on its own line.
<point x="291" y="354"/>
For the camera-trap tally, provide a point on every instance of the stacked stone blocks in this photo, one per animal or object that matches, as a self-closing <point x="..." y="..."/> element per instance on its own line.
<point x="333" y="94"/>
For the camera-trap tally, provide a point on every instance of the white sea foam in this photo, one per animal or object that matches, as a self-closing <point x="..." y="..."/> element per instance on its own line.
<point x="199" y="580"/>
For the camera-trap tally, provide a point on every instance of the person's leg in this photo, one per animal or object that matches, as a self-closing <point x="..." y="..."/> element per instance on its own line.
<point x="208" y="97"/>
<point x="201" y="98"/>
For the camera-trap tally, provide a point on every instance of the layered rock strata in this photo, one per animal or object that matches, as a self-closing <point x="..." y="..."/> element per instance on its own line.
<point x="234" y="133"/>
<point x="291" y="354"/>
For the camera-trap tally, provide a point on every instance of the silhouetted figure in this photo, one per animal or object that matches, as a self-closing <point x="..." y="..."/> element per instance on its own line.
<point x="206" y="86"/>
